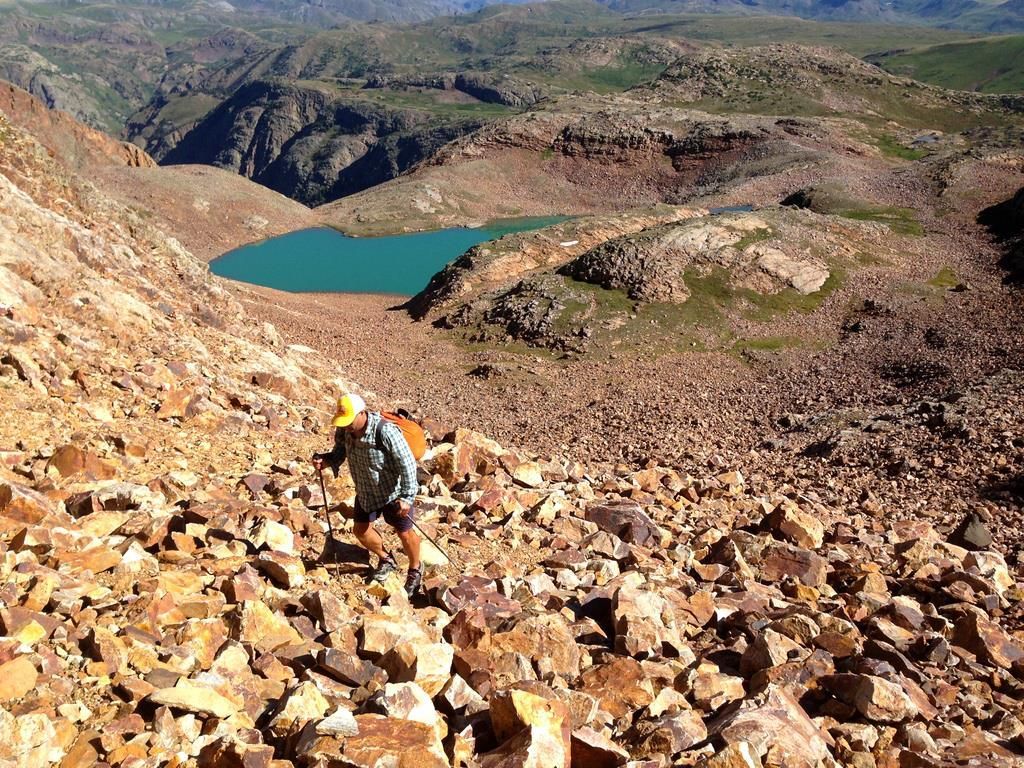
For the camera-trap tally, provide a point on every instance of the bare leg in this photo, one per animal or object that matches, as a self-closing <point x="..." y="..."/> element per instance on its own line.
<point x="411" y="545"/>
<point x="370" y="539"/>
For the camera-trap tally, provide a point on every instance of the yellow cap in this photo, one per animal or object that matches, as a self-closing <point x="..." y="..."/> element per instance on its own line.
<point x="349" y="406"/>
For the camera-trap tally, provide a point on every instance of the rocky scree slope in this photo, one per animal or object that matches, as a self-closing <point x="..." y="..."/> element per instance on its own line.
<point x="165" y="601"/>
<point x="78" y="146"/>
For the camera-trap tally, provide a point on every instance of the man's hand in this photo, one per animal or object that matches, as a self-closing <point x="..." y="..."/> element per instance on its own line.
<point x="318" y="462"/>
<point x="402" y="507"/>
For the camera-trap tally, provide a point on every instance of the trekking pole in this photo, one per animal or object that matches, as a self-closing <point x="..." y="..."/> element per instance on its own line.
<point x="327" y="513"/>
<point x="436" y="545"/>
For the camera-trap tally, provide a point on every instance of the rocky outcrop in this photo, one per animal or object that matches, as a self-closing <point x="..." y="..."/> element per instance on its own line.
<point x="307" y="143"/>
<point x="490" y="265"/>
<point x="804" y="80"/>
<point x="499" y="90"/>
<point x="757" y="258"/>
<point x="77" y="146"/>
<point x="488" y="88"/>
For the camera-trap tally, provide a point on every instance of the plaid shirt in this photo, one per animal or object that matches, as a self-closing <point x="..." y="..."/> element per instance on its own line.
<point x="381" y="475"/>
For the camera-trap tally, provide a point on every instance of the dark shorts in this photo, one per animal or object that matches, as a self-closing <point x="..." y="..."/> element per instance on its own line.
<point x="390" y="514"/>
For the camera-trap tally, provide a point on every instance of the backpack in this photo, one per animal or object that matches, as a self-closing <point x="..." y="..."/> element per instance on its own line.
<point x="412" y="431"/>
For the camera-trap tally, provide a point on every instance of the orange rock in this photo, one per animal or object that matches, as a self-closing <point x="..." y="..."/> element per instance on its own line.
<point x="178" y="404"/>
<point x="987" y="640"/>
<point x="83" y="753"/>
<point x="17" y="677"/>
<point x="380" y="741"/>
<point x="265" y="629"/>
<point x="70" y="460"/>
<point x="95" y="560"/>
<point x="535" y="726"/>
<point x="24" y="504"/>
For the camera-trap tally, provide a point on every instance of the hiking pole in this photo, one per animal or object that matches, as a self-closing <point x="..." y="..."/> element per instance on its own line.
<point x="327" y="513"/>
<point x="436" y="545"/>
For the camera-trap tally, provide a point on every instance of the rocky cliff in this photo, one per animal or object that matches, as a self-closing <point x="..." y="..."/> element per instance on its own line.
<point x="77" y="145"/>
<point x="576" y="155"/>
<point x="309" y="143"/>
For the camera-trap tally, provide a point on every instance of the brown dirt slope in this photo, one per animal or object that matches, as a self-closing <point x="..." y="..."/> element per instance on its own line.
<point x="208" y="210"/>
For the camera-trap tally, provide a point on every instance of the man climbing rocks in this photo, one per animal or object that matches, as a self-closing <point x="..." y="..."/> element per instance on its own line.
<point x="384" y="472"/>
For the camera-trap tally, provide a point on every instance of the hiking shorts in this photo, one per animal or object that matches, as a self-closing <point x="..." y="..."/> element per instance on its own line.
<point x="390" y="514"/>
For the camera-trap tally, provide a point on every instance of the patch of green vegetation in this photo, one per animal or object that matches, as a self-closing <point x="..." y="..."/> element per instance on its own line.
<point x="517" y="348"/>
<point x="768" y="305"/>
<point x="866" y="259"/>
<point x="858" y="39"/>
<point x="547" y="154"/>
<point x="892" y="148"/>
<point x="913" y="288"/>
<point x="927" y="292"/>
<point x="900" y="220"/>
<point x="571" y="315"/>
<point x="433" y="101"/>
<point x="186" y="109"/>
<point x="757" y="236"/>
<point x="945" y="279"/>
<point x="829" y="199"/>
<point x="500" y="227"/>
<point x="610" y="301"/>
<point x="701" y="322"/>
<point x="990" y="64"/>
<point x="755" y="102"/>
<point x="900" y="105"/>
<point x="766" y="344"/>
<point x="615" y="78"/>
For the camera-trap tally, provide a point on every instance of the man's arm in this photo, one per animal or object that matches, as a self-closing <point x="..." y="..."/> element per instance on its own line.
<point x="335" y="457"/>
<point x="398" y="450"/>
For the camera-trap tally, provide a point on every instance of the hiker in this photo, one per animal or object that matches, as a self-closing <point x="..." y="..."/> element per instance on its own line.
<point x="384" y="472"/>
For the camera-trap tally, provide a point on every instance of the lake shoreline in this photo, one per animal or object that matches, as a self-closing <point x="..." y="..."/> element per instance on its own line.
<point x="324" y="260"/>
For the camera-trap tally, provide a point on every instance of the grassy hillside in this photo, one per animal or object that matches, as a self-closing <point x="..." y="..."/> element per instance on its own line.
<point x="992" y="65"/>
<point x="105" y="61"/>
<point x="858" y="39"/>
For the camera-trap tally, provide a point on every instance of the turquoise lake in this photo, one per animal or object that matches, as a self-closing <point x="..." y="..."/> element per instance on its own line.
<point x="323" y="259"/>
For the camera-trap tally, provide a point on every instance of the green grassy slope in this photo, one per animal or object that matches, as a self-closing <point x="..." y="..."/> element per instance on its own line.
<point x="992" y="65"/>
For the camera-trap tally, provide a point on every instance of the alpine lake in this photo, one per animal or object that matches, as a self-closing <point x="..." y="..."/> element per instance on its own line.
<point x="324" y="260"/>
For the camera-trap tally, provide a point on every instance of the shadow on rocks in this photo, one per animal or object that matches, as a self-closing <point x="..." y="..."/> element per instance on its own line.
<point x="1005" y="220"/>
<point x="1010" y="489"/>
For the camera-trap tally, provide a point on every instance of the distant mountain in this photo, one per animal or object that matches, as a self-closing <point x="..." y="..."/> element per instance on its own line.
<point x="977" y="15"/>
<point x="1007" y="16"/>
<point x="315" y="12"/>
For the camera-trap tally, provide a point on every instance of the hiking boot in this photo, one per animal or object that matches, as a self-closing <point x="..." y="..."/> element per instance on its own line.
<point x="385" y="568"/>
<point x="413" y="581"/>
